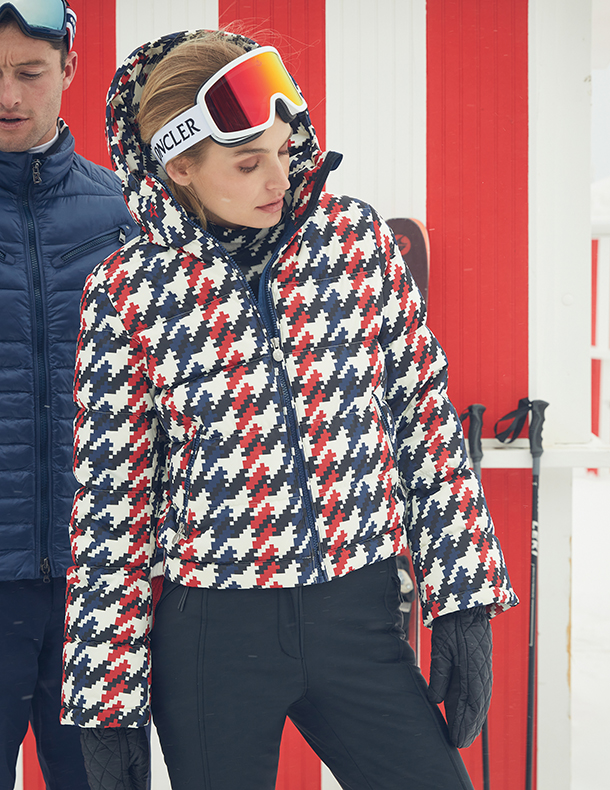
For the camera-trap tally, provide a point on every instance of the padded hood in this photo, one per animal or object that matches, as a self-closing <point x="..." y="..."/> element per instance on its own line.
<point x="145" y="180"/>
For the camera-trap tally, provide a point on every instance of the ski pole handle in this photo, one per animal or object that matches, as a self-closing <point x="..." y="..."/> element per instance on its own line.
<point x="535" y="433"/>
<point x="475" y="429"/>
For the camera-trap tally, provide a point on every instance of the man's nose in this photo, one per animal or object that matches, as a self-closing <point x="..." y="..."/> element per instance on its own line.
<point x="10" y="95"/>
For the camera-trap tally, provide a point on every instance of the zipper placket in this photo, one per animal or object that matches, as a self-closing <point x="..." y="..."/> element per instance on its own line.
<point x="270" y="321"/>
<point x="267" y="313"/>
<point x="40" y="369"/>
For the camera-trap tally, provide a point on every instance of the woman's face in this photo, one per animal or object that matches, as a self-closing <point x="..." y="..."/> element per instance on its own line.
<point x="242" y="186"/>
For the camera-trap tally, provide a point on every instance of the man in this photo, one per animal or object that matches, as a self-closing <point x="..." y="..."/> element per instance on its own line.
<point x="59" y="216"/>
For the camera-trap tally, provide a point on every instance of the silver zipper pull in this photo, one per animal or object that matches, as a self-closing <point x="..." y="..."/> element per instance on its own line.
<point x="45" y="568"/>
<point x="180" y="534"/>
<point x="36" y="177"/>
<point x="122" y="236"/>
<point x="278" y="354"/>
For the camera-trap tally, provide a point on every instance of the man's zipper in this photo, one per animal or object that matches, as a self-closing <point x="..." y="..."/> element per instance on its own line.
<point x="41" y="371"/>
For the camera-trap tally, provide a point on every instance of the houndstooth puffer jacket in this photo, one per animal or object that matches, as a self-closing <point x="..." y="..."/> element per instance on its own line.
<point x="274" y="441"/>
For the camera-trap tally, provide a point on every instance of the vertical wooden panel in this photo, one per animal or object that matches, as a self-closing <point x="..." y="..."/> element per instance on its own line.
<point x="477" y="191"/>
<point x="477" y="197"/>
<point x="376" y="102"/>
<point x="84" y="103"/>
<point x="297" y="29"/>
<point x="146" y="20"/>
<point x="596" y="365"/>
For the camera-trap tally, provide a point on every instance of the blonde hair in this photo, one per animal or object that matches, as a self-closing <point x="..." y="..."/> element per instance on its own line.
<point x="172" y="87"/>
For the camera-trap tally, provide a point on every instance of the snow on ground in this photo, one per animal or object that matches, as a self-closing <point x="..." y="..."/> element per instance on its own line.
<point x="590" y="631"/>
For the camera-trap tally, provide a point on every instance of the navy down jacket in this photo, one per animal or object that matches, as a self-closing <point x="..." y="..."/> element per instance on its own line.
<point x="60" y="215"/>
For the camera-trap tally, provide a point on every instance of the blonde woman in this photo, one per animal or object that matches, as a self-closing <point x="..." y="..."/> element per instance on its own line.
<point x="259" y="396"/>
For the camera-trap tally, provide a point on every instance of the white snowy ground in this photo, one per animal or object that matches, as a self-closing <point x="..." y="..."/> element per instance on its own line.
<point x="591" y="631"/>
<point x="590" y="642"/>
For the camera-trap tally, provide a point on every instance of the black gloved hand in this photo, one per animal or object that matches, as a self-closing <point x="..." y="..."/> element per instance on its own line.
<point x="460" y="671"/>
<point x="116" y="758"/>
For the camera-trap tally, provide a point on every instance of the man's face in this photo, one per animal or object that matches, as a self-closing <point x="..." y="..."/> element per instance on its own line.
<point x="31" y="84"/>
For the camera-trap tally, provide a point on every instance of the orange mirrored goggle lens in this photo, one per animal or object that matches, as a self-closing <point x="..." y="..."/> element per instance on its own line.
<point x="241" y="99"/>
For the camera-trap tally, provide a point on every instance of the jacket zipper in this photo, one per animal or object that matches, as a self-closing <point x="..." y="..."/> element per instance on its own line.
<point x="100" y="241"/>
<point x="187" y="488"/>
<point x="278" y="356"/>
<point x="268" y="315"/>
<point x="40" y="368"/>
<point x="269" y="319"/>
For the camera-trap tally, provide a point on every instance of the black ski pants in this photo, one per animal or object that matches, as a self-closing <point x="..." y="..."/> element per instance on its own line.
<point x="31" y="637"/>
<point x="230" y="665"/>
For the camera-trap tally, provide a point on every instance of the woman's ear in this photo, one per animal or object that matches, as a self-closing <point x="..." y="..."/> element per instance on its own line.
<point x="179" y="170"/>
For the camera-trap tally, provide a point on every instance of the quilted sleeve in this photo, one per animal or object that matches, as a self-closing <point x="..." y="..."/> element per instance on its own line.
<point x="456" y="554"/>
<point x="108" y="608"/>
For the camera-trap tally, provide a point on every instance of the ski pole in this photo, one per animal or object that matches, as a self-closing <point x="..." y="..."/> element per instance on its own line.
<point x="475" y="428"/>
<point x="535" y="437"/>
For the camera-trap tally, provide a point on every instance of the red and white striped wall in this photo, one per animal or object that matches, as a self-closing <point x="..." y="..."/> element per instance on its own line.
<point x="471" y="116"/>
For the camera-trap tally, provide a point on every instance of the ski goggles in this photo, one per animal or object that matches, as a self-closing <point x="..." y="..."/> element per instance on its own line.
<point x="52" y="20"/>
<point x="236" y="105"/>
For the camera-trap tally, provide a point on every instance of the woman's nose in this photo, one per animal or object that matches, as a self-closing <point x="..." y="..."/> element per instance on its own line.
<point x="278" y="178"/>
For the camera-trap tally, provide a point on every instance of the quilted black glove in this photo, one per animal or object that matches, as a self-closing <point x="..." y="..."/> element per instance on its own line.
<point x="116" y="758"/>
<point x="460" y="671"/>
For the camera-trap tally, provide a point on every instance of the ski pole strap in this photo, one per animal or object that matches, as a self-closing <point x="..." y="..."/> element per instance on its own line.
<point x="475" y="428"/>
<point x="518" y="417"/>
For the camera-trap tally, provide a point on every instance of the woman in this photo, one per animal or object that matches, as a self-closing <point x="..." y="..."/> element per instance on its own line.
<point x="258" y="392"/>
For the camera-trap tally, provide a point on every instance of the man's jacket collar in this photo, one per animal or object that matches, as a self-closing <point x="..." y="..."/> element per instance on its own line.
<point x="16" y="167"/>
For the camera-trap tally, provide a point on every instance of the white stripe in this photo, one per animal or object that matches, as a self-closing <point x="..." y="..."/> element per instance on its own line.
<point x="139" y="21"/>
<point x="559" y="219"/>
<point x="376" y="102"/>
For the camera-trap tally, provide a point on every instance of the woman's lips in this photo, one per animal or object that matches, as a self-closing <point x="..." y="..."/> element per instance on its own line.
<point x="270" y="208"/>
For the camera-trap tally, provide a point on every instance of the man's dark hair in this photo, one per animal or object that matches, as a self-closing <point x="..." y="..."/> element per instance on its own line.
<point x="8" y="18"/>
<point x="62" y="46"/>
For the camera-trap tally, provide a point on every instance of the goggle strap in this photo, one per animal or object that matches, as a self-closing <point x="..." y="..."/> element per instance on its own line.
<point x="70" y="27"/>
<point x="180" y="134"/>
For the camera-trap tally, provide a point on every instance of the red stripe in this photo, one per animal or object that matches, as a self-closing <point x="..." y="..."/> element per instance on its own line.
<point x="594" y="270"/>
<point x="32" y="775"/>
<point x="596" y="365"/>
<point x="477" y="149"/>
<point x="298" y="30"/>
<point x="596" y="385"/>
<point x="84" y="103"/>
<point x="477" y="190"/>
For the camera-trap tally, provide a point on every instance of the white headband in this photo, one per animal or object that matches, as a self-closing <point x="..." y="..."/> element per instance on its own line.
<point x="180" y="134"/>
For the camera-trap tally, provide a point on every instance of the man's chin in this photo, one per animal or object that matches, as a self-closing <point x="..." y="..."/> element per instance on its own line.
<point x="13" y="141"/>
